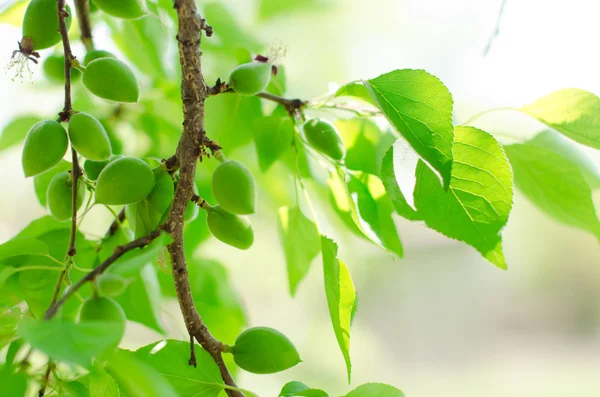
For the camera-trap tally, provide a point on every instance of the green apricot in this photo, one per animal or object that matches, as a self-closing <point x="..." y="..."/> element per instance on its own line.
<point x="263" y="350"/>
<point x="124" y="181"/>
<point x="89" y="137"/>
<point x="111" y="79"/>
<point x="126" y="9"/>
<point x="250" y="78"/>
<point x="93" y="168"/>
<point x="40" y="24"/>
<point x="54" y="69"/>
<point x="59" y="196"/>
<point x="324" y="137"/>
<point x="96" y="54"/>
<point x="99" y="308"/>
<point x="45" y="146"/>
<point x="231" y="229"/>
<point x="233" y="187"/>
<point x="111" y="284"/>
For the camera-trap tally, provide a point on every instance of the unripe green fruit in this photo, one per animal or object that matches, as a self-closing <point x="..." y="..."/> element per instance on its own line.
<point x="111" y="284"/>
<point x="231" y="229"/>
<point x="324" y="137"/>
<point x="106" y="310"/>
<point x="40" y="23"/>
<point x="250" y="78"/>
<point x="89" y="137"/>
<point x="59" y="193"/>
<point x="54" y="69"/>
<point x="127" y="9"/>
<point x="96" y="54"/>
<point x="94" y="168"/>
<point x="111" y="79"/>
<point x="124" y="181"/>
<point x="233" y="187"/>
<point x="263" y="350"/>
<point x="45" y="146"/>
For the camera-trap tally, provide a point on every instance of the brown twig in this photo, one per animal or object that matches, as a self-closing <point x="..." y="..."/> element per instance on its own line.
<point x="117" y="253"/>
<point x="291" y="105"/>
<point x="116" y="223"/>
<point x="194" y="91"/>
<point x="82" y="8"/>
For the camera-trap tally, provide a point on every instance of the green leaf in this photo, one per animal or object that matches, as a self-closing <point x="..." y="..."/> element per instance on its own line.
<point x="169" y="358"/>
<point x="15" y="131"/>
<point x="269" y="9"/>
<point x="64" y="340"/>
<point x="142" y="300"/>
<point x="278" y="85"/>
<point x="142" y="42"/>
<point x="137" y="378"/>
<point x="41" y="181"/>
<point x="301" y="243"/>
<point x="273" y="136"/>
<point x="553" y="176"/>
<point x="571" y="111"/>
<point x="22" y="246"/>
<point x="419" y="106"/>
<point x="13" y="384"/>
<point x="390" y="181"/>
<point x="375" y="390"/>
<point x="356" y="90"/>
<point x="341" y="297"/>
<point x="297" y="389"/>
<point x="476" y="206"/>
<point x="73" y="389"/>
<point x="9" y="318"/>
<point x="229" y="30"/>
<point x="101" y="383"/>
<point x="231" y="119"/>
<point x="365" y="144"/>
<point x="129" y="264"/>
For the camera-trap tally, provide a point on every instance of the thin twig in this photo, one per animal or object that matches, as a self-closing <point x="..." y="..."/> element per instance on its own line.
<point x="496" y="30"/>
<point x="116" y="223"/>
<point x="85" y="25"/>
<point x="117" y="253"/>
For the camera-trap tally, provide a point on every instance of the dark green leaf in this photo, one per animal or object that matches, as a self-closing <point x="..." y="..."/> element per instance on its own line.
<point x="375" y="390"/>
<point x="475" y="209"/>
<point x="301" y="243"/>
<point x="341" y="297"/>
<point x="571" y="111"/>
<point x="419" y="106"/>
<point x="15" y="131"/>
<point x="170" y="359"/>
<point x="64" y="340"/>
<point x="556" y="178"/>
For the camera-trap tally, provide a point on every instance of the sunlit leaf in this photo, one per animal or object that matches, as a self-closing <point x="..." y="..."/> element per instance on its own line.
<point x="22" y="246"/>
<point x="297" y="389"/>
<point x="390" y="181"/>
<point x="375" y="390"/>
<point x="15" y="131"/>
<point x="273" y="136"/>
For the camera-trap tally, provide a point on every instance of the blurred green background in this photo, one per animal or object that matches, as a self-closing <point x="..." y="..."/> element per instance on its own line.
<point x="441" y="321"/>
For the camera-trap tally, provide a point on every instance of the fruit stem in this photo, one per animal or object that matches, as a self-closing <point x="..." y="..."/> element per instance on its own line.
<point x="200" y="202"/>
<point x="82" y="7"/>
<point x="219" y="155"/>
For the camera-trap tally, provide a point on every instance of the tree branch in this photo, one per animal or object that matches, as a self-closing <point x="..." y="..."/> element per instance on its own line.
<point x="193" y="93"/>
<point x="85" y="25"/>
<point x="291" y="105"/>
<point x="117" y="253"/>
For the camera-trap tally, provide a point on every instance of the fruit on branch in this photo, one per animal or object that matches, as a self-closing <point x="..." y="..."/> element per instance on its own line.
<point x="234" y="230"/>
<point x="54" y="69"/>
<point x="324" y="137"/>
<point x="126" y="180"/>
<point x="45" y="146"/>
<point x="104" y="309"/>
<point x="96" y="54"/>
<point x="111" y="79"/>
<point x="89" y="137"/>
<point x="111" y="284"/>
<point x="40" y="25"/>
<point x="59" y="196"/>
<point x="263" y="350"/>
<point x="126" y="9"/>
<point x="250" y="78"/>
<point x="93" y="168"/>
<point x="234" y="188"/>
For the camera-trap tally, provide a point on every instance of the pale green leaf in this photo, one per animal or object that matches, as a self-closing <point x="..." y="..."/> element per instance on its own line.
<point x="375" y="390"/>
<point x="341" y="297"/>
<point x="356" y="90"/>
<point x="269" y="9"/>
<point x="273" y="136"/>
<point x="9" y="319"/>
<point x="301" y="243"/>
<point x="551" y="175"/>
<point x="137" y="378"/>
<point x="419" y="106"/>
<point x="101" y="384"/>
<point x="476" y="206"/>
<point x="228" y="30"/>
<point x="23" y="246"/>
<point x="15" y="131"/>
<point x="299" y="389"/>
<point x="169" y="358"/>
<point x="64" y="340"/>
<point x="573" y="112"/>
<point x="14" y="383"/>
<point x="390" y="181"/>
